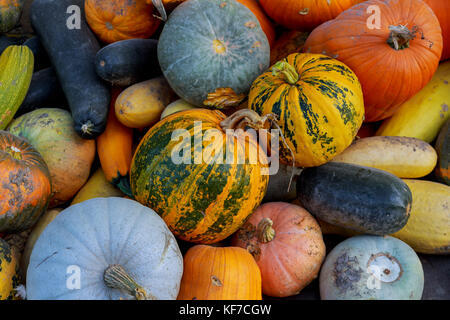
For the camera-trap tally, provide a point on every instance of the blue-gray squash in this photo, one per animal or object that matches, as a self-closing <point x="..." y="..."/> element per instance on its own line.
<point x="102" y="249"/>
<point x="211" y="51"/>
<point x="372" y="268"/>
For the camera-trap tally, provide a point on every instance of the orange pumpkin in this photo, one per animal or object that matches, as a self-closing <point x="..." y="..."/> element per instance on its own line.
<point x="219" y="273"/>
<point x="442" y="10"/>
<point x="289" y="42"/>
<point x="304" y="14"/>
<point x="115" y="20"/>
<point x="25" y="187"/>
<point x="286" y="242"/>
<point x="393" y="62"/>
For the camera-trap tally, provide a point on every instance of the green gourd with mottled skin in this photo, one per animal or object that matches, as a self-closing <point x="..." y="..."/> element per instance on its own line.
<point x="208" y="45"/>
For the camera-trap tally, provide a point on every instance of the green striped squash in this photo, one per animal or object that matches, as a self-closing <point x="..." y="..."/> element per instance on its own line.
<point x="201" y="200"/>
<point x="319" y="104"/>
<point x="443" y="150"/>
<point x="16" y="69"/>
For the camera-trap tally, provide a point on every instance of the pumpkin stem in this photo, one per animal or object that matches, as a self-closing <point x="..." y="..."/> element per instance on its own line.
<point x="400" y="36"/>
<point x="116" y="277"/>
<point x="160" y="7"/>
<point x="223" y="98"/>
<point x="265" y="231"/>
<point x="289" y="72"/>
<point x="247" y="117"/>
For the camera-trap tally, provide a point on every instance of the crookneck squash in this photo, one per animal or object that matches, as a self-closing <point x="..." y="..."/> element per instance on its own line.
<point x="443" y="150"/>
<point x="105" y="249"/>
<point x="286" y="243"/>
<point x="114" y="147"/>
<point x="423" y="115"/>
<point x="211" y="51"/>
<point x="25" y="184"/>
<point x="304" y="14"/>
<point x="9" y="271"/>
<point x="220" y="273"/>
<point x="186" y="170"/>
<point x="10" y="12"/>
<point x="115" y="20"/>
<point x="394" y="56"/>
<point x="442" y="11"/>
<point x="318" y="102"/>
<point x="16" y="70"/>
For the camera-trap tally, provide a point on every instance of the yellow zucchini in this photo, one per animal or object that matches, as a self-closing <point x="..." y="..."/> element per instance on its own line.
<point x="16" y="69"/>
<point x="424" y="114"/>
<point x="141" y="105"/>
<point x="97" y="187"/>
<point x="428" y="227"/>
<point x="402" y="156"/>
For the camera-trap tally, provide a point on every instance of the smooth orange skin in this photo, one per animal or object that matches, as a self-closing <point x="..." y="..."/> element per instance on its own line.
<point x="289" y="42"/>
<point x="313" y="12"/>
<point x="220" y="273"/>
<point x="25" y="186"/>
<point x="293" y="258"/>
<point x="389" y="77"/>
<point x="442" y="10"/>
<point x="115" y="20"/>
<point x="114" y="145"/>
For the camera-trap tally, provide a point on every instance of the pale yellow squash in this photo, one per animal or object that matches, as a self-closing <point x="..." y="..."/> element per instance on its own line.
<point x="142" y="104"/>
<point x="424" y="114"/>
<point x="97" y="187"/>
<point x="176" y="106"/>
<point x="404" y="157"/>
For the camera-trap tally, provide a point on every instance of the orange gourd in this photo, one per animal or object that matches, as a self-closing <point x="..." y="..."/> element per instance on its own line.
<point x="115" y="20"/>
<point x="114" y="148"/>
<point x="286" y="242"/>
<point x="442" y="10"/>
<point x="304" y="14"/>
<point x="219" y="273"/>
<point x="392" y="62"/>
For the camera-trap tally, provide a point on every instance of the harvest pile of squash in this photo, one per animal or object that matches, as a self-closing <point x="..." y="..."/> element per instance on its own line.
<point x="93" y="205"/>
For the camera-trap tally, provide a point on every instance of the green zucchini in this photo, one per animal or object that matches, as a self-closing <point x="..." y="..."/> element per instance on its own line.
<point x="359" y="198"/>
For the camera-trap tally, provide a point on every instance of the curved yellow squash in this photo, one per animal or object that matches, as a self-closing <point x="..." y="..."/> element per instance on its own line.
<point x="424" y="114"/>
<point x="319" y="104"/>
<point x="97" y="187"/>
<point x="9" y="270"/>
<point x="176" y="106"/>
<point x="428" y="227"/>
<point x="402" y="156"/>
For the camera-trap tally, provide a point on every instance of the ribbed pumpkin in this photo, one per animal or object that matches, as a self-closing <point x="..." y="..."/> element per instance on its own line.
<point x="443" y="151"/>
<point x="9" y="270"/>
<point x="393" y="62"/>
<point x="25" y="187"/>
<point x="10" y="12"/>
<point x="114" y="148"/>
<point x="304" y="14"/>
<point x="115" y="20"/>
<point x="219" y="273"/>
<point x="287" y="244"/>
<point x="210" y="52"/>
<point x="319" y="104"/>
<point x="206" y="194"/>
<point x="442" y="11"/>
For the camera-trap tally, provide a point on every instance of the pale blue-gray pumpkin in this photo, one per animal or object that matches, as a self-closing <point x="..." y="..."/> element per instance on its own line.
<point x="211" y="51"/>
<point x="94" y="244"/>
<point x="372" y="268"/>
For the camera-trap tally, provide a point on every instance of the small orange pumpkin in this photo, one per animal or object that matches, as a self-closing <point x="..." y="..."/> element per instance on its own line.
<point x="115" y="20"/>
<point x="287" y="244"/>
<point x="219" y="273"/>
<point x="25" y="187"/>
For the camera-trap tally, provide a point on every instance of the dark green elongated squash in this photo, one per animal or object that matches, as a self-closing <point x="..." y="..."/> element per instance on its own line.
<point x="44" y="91"/>
<point x="126" y="62"/>
<point x="443" y="150"/>
<point x="72" y="53"/>
<point x="359" y="198"/>
<point x="41" y="59"/>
